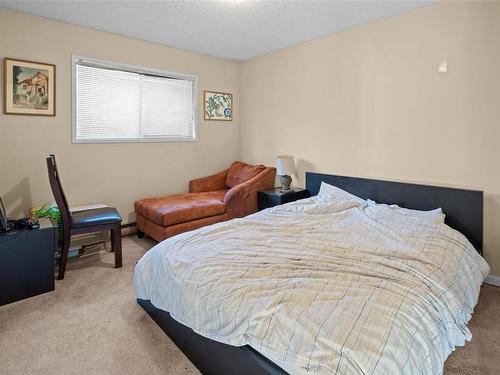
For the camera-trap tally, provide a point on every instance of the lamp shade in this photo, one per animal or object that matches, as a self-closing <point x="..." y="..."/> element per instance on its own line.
<point x="285" y="165"/>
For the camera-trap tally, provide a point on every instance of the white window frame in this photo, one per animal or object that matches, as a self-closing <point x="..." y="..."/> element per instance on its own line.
<point x="133" y="69"/>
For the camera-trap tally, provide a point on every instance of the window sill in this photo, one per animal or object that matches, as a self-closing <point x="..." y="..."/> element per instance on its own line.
<point x="134" y="140"/>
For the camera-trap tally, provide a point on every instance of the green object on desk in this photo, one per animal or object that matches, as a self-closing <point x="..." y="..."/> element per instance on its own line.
<point x="50" y="210"/>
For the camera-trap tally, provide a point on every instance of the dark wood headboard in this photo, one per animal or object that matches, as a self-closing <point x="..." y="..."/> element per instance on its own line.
<point x="463" y="208"/>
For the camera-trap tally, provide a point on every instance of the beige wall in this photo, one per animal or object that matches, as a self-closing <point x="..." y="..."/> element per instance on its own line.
<point x="116" y="174"/>
<point x="369" y="102"/>
<point x="366" y="102"/>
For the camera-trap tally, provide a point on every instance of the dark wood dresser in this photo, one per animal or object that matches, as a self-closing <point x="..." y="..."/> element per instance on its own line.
<point x="27" y="262"/>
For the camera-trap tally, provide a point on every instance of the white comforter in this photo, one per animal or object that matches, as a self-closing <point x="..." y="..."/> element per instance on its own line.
<point x="322" y="286"/>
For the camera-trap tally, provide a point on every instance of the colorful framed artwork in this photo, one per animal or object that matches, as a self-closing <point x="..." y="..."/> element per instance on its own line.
<point x="29" y="88"/>
<point x="218" y="106"/>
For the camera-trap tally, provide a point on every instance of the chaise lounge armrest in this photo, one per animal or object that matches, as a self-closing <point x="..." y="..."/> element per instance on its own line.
<point x="210" y="183"/>
<point x="241" y="200"/>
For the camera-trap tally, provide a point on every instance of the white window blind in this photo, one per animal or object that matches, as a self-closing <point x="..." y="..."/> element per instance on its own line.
<point x="118" y="104"/>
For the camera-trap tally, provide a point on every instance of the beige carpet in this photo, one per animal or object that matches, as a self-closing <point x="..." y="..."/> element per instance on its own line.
<point x="91" y="324"/>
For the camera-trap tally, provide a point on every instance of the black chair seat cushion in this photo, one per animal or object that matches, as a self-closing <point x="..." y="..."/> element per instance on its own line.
<point x="97" y="216"/>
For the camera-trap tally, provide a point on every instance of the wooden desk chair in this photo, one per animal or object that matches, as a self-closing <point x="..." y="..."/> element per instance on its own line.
<point x="89" y="221"/>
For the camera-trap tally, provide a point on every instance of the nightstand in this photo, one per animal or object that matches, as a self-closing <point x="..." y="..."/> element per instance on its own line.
<point x="274" y="197"/>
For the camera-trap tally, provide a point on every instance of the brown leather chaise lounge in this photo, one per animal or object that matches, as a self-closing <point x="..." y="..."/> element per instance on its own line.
<point x="226" y="195"/>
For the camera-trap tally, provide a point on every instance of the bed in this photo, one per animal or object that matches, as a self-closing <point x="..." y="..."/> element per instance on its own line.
<point x="324" y="285"/>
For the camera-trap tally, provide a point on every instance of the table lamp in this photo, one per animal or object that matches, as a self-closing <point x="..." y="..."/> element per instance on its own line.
<point x="284" y="168"/>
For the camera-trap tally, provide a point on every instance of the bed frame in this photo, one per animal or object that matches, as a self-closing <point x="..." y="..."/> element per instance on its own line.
<point x="463" y="210"/>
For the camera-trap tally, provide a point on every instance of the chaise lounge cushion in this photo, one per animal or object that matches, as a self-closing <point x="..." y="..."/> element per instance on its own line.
<point x="240" y="172"/>
<point x="181" y="208"/>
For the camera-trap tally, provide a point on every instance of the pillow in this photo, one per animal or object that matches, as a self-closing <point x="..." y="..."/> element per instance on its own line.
<point x="240" y="172"/>
<point x="337" y="193"/>
<point x="431" y="217"/>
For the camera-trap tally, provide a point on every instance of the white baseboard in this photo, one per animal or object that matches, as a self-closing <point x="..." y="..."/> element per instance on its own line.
<point x="492" y="280"/>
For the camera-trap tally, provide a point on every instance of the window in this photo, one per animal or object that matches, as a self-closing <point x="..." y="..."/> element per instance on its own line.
<point x="119" y="103"/>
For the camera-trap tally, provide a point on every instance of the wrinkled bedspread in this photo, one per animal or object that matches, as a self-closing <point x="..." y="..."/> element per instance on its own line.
<point x="323" y="286"/>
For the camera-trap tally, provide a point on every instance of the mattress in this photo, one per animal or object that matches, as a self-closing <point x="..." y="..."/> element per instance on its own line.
<point x="323" y="286"/>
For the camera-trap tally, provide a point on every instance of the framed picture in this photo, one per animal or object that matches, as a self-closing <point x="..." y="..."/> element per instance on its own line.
<point x="29" y="88"/>
<point x="218" y="106"/>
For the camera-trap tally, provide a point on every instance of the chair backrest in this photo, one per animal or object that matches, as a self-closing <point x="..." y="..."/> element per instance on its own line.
<point x="58" y="192"/>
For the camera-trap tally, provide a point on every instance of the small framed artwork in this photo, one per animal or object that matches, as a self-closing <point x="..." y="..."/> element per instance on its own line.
<point x="218" y="106"/>
<point x="29" y="88"/>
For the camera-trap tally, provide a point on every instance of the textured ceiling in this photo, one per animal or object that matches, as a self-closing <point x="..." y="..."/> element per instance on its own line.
<point x="231" y="29"/>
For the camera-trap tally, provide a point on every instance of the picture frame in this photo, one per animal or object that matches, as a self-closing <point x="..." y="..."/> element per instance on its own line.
<point x="217" y="106"/>
<point x="29" y="88"/>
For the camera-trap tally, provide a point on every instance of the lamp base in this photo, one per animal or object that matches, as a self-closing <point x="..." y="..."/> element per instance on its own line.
<point x="285" y="183"/>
